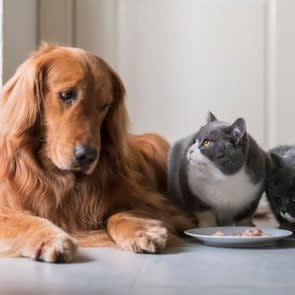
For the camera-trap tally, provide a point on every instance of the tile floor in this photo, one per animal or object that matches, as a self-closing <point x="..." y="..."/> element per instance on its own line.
<point x="194" y="269"/>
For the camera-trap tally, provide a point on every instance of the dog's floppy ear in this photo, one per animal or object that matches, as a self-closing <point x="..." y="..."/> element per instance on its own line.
<point x="21" y="96"/>
<point x="115" y="126"/>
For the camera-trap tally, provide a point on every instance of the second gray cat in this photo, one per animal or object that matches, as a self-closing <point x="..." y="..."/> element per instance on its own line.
<point x="217" y="173"/>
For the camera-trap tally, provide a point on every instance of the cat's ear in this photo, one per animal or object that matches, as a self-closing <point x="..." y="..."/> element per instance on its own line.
<point x="211" y="117"/>
<point x="276" y="160"/>
<point x="239" y="129"/>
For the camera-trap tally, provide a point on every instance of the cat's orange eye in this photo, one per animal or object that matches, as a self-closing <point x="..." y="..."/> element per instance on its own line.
<point x="206" y="143"/>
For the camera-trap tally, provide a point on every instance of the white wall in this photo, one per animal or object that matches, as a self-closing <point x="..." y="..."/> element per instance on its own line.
<point x="19" y="31"/>
<point x="182" y="58"/>
<point x="55" y="21"/>
<point x="285" y="72"/>
<point x="179" y="58"/>
<point x="96" y="23"/>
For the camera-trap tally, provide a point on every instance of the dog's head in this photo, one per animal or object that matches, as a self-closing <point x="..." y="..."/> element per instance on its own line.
<point x="72" y="102"/>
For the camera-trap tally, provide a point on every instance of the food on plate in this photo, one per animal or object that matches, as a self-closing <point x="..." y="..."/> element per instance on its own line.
<point x="219" y="233"/>
<point x="254" y="232"/>
<point x="251" y="232"/>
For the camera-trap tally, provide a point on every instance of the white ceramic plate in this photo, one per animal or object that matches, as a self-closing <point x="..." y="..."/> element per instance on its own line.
<point x="205" y="236"/>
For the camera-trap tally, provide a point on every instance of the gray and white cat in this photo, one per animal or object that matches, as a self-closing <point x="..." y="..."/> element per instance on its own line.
<point x="218" y="173"/>
<point x="280" y="185"/>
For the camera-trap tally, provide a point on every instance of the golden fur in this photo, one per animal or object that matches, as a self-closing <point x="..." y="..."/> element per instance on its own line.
<point x="49" y="205"/>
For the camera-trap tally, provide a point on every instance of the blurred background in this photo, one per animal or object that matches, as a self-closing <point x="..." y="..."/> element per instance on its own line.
<point x="177" y="58"/>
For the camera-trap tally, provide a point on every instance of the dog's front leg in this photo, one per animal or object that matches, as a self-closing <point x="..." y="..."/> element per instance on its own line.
<point x="34" y="237"/>
<point x="135" y="232"/>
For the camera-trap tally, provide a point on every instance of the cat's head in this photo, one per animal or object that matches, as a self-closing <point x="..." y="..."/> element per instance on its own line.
<point x="219" y="144"/>
<point x="280" y="187"/>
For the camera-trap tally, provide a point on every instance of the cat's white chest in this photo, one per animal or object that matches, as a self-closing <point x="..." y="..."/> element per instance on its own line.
<point x="227" y="195"/>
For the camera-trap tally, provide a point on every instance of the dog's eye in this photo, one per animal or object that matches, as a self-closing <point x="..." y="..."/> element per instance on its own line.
<point x="104" y="107"/>
<point x="67" y="96"/>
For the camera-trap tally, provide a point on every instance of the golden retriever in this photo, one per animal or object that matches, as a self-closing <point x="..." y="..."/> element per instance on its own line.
<point x="70" y="174"/>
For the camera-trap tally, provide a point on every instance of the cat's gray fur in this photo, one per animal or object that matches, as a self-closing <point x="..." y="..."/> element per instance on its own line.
<point x="234" y="152"/>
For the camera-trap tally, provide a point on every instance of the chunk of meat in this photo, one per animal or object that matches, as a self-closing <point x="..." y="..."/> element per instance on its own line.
<point x="255" y="232"/>
<point x="251" y="232"/>
<point x="219" y="234"/>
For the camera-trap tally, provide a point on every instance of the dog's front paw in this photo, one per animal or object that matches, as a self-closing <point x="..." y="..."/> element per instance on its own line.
<point x="58" y="249"/>
<point x="151" y="238"/>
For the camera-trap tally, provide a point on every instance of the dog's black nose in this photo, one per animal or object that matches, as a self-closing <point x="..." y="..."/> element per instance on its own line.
<point x="85" y="155"/>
